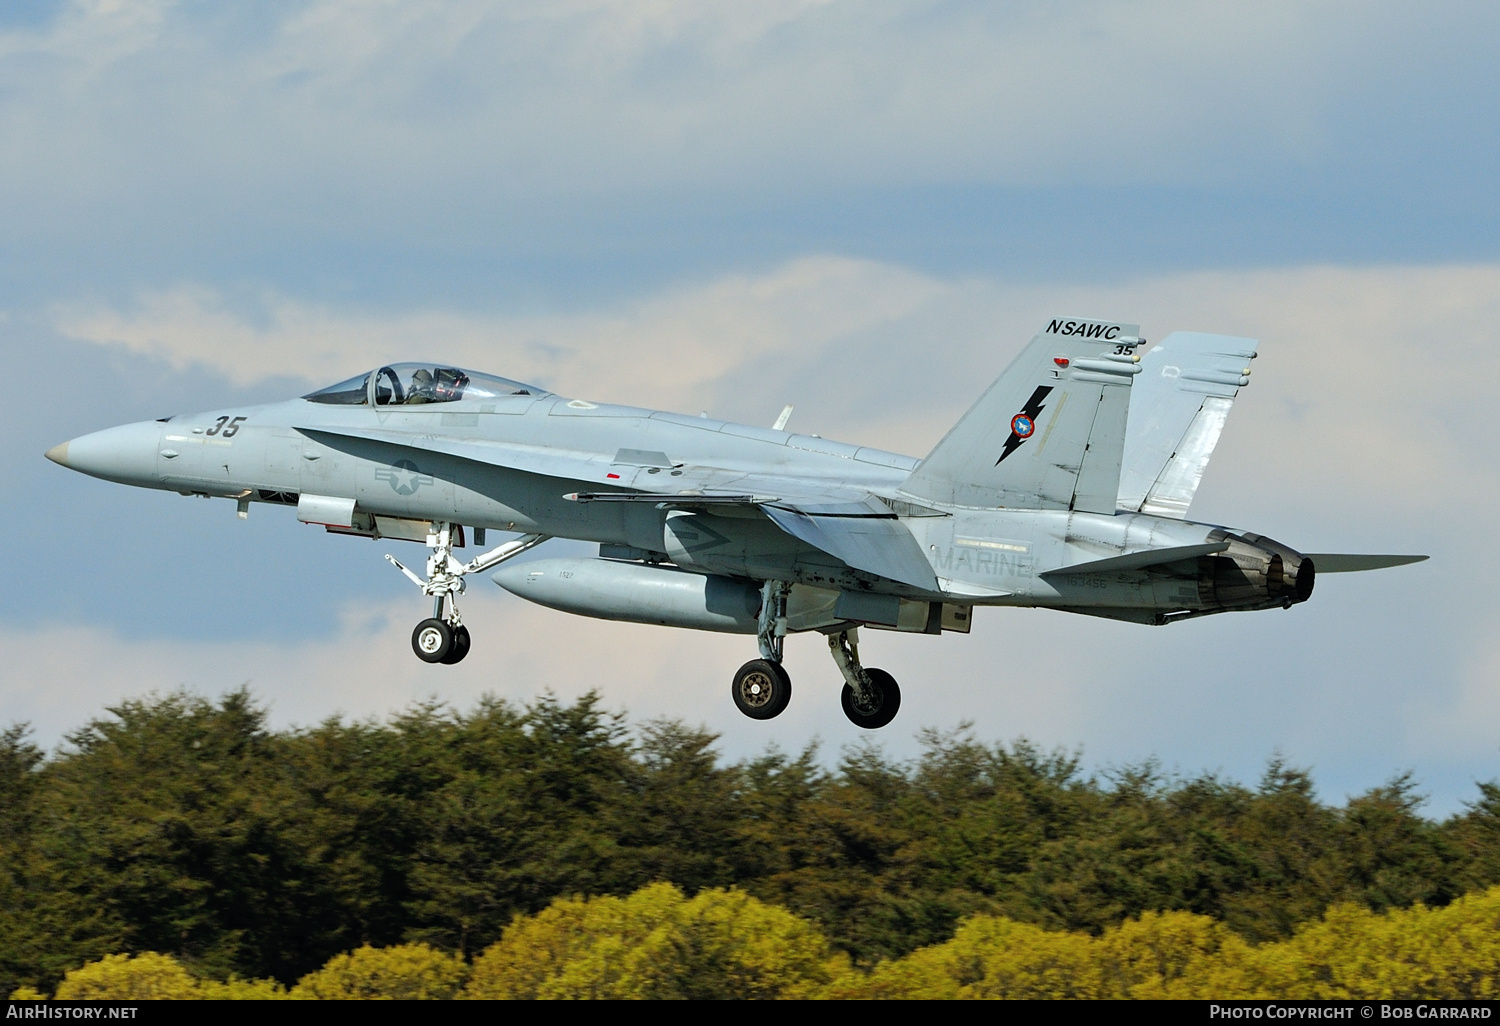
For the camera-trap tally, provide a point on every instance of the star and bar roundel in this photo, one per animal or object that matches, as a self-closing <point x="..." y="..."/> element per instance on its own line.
<point x="1023" y="424"/>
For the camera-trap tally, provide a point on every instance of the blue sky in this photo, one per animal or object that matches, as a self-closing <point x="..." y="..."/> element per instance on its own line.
<point x="861" y="208"/>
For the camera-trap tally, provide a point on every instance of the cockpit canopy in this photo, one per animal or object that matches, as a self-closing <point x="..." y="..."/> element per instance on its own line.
<point x="416" y="384"/>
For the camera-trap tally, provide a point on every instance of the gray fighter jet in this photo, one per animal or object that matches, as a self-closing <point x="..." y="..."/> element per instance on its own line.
<point x="1066" y="485"/>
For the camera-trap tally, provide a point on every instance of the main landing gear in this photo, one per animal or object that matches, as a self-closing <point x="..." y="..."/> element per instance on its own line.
<point x="440" y="638"/>
<point x="762" y="687"/>
<point x="870" y="698"/>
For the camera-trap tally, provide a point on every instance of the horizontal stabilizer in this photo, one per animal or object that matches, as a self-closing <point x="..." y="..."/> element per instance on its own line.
<point x="1348" y="563"/>
<point x="1141" y="560"/>
<point x="866" y="540"/>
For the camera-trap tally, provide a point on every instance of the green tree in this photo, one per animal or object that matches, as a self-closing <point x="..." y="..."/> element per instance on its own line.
<point x="172" y="827"/>
<point x="1474" y="837"/>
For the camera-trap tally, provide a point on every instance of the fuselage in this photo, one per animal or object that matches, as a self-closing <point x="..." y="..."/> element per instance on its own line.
<point x="276" y="454"/>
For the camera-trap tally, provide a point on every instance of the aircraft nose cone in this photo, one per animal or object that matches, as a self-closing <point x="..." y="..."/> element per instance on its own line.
<point x="126" y="454"/>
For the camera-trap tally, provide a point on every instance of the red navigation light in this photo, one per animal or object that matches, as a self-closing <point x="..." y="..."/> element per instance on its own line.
<point x="1061" y="361"/>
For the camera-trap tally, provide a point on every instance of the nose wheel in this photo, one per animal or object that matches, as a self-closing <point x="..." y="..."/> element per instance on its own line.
<point x="437" y="641"/>
<point x="444" y="638"/>
<point x="460" y="646"/>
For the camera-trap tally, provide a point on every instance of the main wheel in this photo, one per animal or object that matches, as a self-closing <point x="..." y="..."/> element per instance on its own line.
<point x="432" y="641"/>
<point x="460" y="646"/>
<point x="761" y="689"/>
<point x="884" y="704"/>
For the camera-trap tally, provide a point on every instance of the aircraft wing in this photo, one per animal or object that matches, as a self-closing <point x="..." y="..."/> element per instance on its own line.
<point x="1178" y="406"/>
<point x="696" y="485"/>
<point x="866" y="535"/>
<point x="842" y="521"/>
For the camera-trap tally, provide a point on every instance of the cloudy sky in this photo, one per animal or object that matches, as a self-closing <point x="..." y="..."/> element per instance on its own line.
<point x="862" y="208"/>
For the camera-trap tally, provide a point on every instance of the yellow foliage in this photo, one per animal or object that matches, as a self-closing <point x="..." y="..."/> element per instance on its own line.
<point x="1451" y="952"/>
<point x="657" y="943"/>
<point x="146" y="977"/>
<point x="404" y="972"/>
<point x="149" y="977"/>
<point x="236" y="989"/>
<point x="1160" y="955"/>
<point x="992" y="957"/>
<point x="1174" y="955"/>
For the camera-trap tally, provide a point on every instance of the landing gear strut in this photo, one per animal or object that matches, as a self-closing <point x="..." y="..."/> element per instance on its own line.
<point x="762" y="687"/>
<point x="870" y="698"/>
<point x="444" y="638"/>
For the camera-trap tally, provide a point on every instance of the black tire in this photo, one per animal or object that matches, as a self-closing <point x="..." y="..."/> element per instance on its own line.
<point x="460" y="646"/>
<point x="432" y="640"/>
<point x="885" y="708"/>
<point x="761" y="689"/>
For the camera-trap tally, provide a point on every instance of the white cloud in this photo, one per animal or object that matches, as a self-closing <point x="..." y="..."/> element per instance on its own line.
<point x="667" y="349"/>
<point x="58" y="676"/>
<point x="420" y="99"/>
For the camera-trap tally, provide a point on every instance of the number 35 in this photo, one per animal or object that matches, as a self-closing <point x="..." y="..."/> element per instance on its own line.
<point x="230" y="429"/>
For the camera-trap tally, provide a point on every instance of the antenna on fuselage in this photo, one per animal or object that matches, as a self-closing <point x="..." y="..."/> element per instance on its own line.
<point x="786" y="415"/>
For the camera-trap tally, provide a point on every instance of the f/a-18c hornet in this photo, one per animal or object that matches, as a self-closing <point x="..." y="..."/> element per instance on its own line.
<point x="1065" y="486"/>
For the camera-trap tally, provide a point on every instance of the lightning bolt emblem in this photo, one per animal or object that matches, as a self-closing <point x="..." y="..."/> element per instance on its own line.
<point x="1023" y="424"/>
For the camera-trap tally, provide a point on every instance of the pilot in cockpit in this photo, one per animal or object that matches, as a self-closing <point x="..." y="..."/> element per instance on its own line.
<point x="421" y="389"/>
<point x="426" y="384"/>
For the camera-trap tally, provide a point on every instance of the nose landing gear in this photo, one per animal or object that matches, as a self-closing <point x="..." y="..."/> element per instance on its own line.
<point x="440" y="638"/>
<point x="440" y="641"/>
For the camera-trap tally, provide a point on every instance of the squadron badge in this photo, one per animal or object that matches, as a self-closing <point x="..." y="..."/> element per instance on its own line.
<point x="1023" y="424"/>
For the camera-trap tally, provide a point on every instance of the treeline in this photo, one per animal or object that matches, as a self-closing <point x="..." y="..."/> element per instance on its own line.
<point x="187" y="827"/>
<point x="660" y="944"/>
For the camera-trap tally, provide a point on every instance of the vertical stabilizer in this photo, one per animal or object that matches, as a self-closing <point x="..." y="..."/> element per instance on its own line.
<point x="1049" y="433"/>
<point x="1177" y="410"/>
